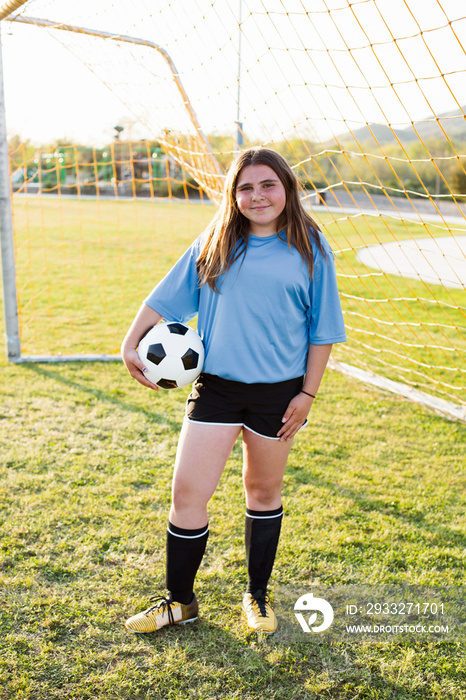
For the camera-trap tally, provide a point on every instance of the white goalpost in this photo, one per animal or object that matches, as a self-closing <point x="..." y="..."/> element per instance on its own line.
<point x="10" y="302"/>
<point x="203" y="162"/>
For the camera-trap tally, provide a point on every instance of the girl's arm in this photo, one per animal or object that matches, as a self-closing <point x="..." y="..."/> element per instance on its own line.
<point x="144" y="320"/>
<point x="299" y="407"/>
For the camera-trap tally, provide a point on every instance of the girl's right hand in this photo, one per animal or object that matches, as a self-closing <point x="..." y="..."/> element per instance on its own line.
<point x="136" y="368"/>
<point x="145" y="319"/>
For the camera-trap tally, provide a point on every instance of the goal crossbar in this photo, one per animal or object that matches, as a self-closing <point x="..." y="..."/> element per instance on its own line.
<point x="7" y="8"/>
<point x="6" y="224"/>
<point x="38" y="22"/>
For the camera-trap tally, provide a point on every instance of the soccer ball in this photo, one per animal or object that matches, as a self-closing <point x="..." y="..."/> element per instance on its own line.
<point x="173" y="354"/>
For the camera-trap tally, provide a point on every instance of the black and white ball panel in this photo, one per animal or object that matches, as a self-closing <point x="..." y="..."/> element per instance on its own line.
<point x="173" y="354"/>
<point x="178" y="328"/>
<point x="156" y="353"/>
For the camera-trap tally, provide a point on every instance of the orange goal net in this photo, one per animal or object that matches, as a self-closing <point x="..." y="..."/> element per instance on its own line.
<point x="365" y="99"/>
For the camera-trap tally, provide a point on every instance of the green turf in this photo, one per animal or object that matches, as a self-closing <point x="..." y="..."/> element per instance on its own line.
<point x="83" y="267"/>
<point x="374" y="493"/>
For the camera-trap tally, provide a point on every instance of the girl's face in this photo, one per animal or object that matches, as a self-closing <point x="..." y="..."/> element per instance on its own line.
<point x="261" y="198"/>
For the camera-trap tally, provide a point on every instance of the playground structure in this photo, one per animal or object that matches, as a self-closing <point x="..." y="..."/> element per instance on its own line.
<point x="119" y="169"/>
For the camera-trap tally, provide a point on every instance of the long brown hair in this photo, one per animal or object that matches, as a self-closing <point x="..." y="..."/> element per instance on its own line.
<point x="227" y="235"/>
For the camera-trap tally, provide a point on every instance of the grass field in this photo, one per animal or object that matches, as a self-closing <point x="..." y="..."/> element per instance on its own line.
<point x="374" y="493"/>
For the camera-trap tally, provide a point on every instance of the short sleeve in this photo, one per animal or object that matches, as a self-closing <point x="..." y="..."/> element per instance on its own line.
<point x="176" y="297"/>
<point x="326" y="325"/>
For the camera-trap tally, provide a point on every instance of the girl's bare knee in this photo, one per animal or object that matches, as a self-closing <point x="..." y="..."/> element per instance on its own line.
<point x="264" y="496"/>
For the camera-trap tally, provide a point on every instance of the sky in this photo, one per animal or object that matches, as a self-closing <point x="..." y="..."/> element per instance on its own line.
<point x="310" y="68"/>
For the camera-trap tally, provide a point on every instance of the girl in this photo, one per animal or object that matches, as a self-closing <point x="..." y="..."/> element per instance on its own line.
<point x="262" y="280"/>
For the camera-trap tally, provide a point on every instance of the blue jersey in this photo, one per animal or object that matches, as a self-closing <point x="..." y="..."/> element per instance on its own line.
<point x="268" y="310"/>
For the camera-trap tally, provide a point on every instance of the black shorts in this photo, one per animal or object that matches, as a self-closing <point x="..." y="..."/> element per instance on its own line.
<point x="257" y="407"/>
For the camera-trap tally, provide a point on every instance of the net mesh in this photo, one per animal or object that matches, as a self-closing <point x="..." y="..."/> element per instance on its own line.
<point x="363" y="98"/>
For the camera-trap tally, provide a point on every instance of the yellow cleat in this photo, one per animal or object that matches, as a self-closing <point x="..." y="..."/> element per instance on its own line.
<point x="163" y="612"/>
<point x="259" y="613"/>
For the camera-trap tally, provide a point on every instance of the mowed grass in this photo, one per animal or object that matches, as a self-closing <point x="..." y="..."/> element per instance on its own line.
<point x="374" y="493"/>
<point x="84" y="267"/>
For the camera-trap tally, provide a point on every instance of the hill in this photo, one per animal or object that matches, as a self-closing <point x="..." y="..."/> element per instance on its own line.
<point x="452" y="123"/>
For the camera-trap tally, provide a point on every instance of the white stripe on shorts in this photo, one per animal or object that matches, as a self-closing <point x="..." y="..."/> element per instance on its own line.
<point x="239" y="425"/>
<point x="208" y="422"/>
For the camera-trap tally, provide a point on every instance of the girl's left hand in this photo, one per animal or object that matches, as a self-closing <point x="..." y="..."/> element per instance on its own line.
<point x="295" y="416"/>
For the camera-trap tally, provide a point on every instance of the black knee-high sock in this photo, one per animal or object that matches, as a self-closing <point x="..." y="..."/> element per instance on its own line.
<point x="185" y="549"/>
<point x="262" y="532"/>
